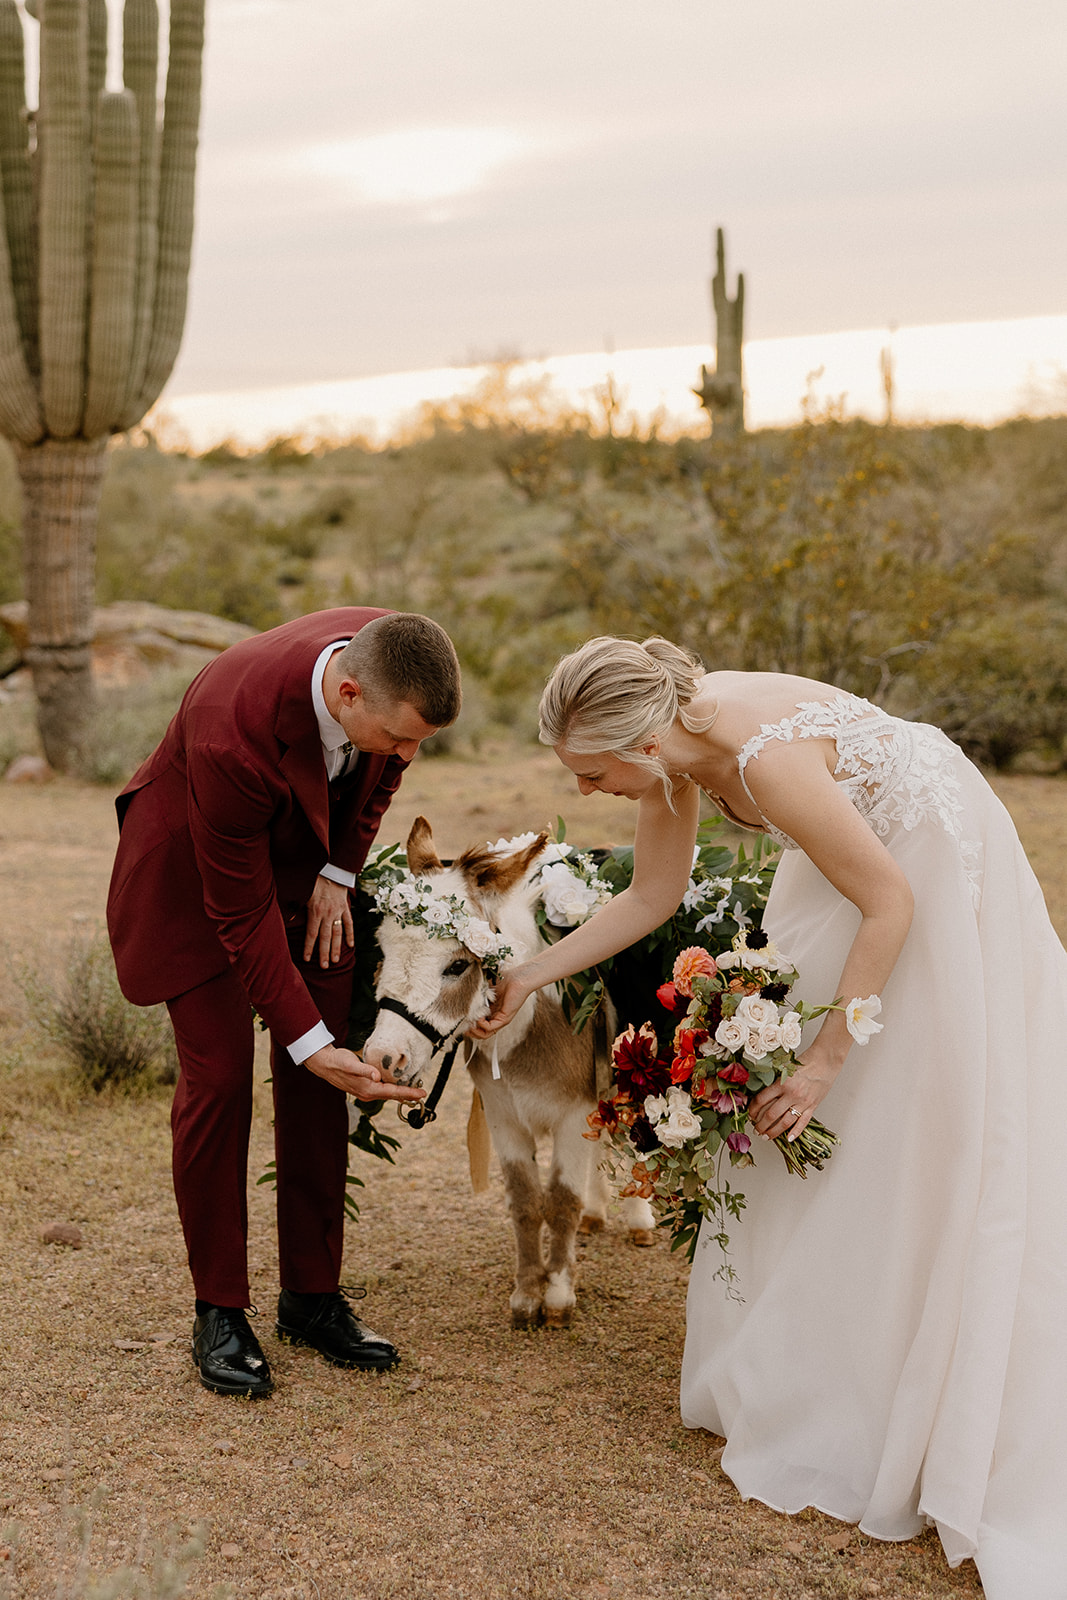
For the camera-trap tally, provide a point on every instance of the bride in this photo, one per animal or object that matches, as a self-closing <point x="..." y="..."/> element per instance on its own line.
<point x="900" y="1354"/>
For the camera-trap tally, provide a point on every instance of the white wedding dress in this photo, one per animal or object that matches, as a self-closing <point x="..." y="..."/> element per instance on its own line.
<point x="900" y="1355"/>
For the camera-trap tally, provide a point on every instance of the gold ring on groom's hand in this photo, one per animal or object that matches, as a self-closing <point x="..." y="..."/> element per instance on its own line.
<point x="338" y="922"/>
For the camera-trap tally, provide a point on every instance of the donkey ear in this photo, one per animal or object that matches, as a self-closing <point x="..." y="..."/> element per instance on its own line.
<point x="422" y="857"/>
<point x="495" y="874"/>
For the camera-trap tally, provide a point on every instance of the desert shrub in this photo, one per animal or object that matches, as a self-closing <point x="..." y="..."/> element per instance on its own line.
<point x="110" y="1042"/>
<point x="997" y="685"/>
<point x="128" y="723"/>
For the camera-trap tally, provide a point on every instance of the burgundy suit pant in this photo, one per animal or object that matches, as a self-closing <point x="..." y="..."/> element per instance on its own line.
<point x="211" y="1119"/>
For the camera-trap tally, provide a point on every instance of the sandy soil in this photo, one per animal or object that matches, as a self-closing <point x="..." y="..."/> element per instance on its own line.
<point x="490" y="1464"/>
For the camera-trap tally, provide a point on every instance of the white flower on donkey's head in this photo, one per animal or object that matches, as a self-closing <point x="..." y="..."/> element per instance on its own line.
<point x="478" y="936"/>
<point x="568" y="900"/>
<point x="860" y="1015"/>
<point x="437" y="913"/>
<point x="757" y="1011"/>
<point x="403" y="896"/>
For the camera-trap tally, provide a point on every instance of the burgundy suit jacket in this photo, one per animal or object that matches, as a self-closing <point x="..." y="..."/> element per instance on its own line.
<point x="225" y="827"/>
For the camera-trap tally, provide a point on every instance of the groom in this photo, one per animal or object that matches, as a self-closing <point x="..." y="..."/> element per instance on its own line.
<point x="240" y="839"/>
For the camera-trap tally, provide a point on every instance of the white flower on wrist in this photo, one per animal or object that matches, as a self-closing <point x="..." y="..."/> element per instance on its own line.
<point x="860" y="1015"/>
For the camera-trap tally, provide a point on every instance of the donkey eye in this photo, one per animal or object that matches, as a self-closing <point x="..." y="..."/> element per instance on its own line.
<point x="457" y="968"/>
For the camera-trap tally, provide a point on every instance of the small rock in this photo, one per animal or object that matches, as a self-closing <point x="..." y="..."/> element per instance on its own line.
<point x="414" y="1387"/>
<point x="838" y="1541"/>
<point x="63" y="1233"/>
<point x="29" y="769"/>
<point x="161" y="1338"/>
<point x="225" y="1447"/>
<point x="793" y="1547"/>
<point x="53" y="1475"/>
<point x="130" y="1344"/>
<point x="229" y="1551"/>
<point x="300" y="1461"/>
<point x="701" y="1477"/>
<point x="340" y="1459"/>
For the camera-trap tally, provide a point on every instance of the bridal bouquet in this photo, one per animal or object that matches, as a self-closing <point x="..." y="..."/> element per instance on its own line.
<point x="676" y="1113"/>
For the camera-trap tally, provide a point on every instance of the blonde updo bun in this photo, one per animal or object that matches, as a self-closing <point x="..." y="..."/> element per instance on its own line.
<point x="613" y="696"/>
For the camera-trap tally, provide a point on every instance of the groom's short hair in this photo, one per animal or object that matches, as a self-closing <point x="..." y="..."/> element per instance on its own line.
<point x="404" y="656"/>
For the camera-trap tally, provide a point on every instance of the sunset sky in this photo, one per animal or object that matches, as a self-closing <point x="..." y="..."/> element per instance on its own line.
<point x="388" y="185"/>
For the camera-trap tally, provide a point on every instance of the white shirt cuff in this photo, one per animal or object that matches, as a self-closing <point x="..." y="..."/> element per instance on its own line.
<point x="338" y="875"/>
<point x="309" y="1042"/>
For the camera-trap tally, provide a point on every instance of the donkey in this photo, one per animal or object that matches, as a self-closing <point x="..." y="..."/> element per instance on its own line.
<point x="540" y="1081"/>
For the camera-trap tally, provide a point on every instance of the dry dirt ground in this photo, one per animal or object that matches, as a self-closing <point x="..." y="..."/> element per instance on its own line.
<point x="490" y="1464"/>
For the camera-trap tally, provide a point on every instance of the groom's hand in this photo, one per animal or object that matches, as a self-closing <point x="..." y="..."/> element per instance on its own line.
<point x="347" y="1071"/>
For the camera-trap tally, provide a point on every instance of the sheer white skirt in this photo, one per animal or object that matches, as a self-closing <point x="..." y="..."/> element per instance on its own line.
<point x="900" y="1355"/>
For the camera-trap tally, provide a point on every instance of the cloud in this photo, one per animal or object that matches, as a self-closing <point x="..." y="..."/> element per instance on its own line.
<point x="417" y="166"/>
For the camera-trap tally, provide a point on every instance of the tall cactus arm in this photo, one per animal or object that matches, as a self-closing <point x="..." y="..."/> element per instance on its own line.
<point x="97" y="59"/>
<point x="176" y="192"/>
<point x="16" y="177"/>
<point x="20" y="415"/>
<point x="64" y="206"/>
<point x="114" y="273"/>
<point x="140" y="72"/>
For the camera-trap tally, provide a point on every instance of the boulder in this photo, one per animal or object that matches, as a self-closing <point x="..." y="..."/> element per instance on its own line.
<point x="133" y="637"/>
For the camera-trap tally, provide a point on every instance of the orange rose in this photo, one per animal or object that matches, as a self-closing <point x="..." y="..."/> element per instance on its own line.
<point x="690" y="964"/>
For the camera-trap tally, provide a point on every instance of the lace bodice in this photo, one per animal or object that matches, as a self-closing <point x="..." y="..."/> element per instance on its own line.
<point x="893" y="771"/>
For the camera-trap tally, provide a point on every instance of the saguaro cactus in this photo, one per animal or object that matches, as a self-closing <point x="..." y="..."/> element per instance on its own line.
<point x="722" y="392"/>
<point x="96" y="231"/>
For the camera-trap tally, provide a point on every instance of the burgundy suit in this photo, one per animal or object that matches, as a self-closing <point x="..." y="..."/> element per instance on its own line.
<point x="223" y="831"/>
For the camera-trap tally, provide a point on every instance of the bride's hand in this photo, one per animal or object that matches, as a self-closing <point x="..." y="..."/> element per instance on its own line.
<point x="510" y="992"/>
<point x="787" y="1106"/>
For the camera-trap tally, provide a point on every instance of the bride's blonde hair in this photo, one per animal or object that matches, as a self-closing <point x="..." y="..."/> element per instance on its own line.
<point x="612" y="696"/>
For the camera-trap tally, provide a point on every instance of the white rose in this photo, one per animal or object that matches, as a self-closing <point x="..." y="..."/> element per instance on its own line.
<point x="479" y="937"/>
<point x="554" y="851"/>
<point x="757" y="1011"/>
<point x="791" y="1028"/>
<point x="567" y="900"/>
<point x="731" y="1034"/>
<point x="437" y="914"/>
<point x="728" y="959"/>
<point x="655" y="1107"/>
<point x="404" y="897"/>
<point x="679" y="1127"/>
<point x="770" y="1037"/>
<point x="754" y="1049"/>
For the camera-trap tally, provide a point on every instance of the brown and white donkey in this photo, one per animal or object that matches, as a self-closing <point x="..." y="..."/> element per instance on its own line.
<point x="538" y="1085"/>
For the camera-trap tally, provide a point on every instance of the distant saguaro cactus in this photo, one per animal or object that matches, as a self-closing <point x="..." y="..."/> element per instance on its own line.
<point x="95" y="238"/>
<point x="722" y="392"/>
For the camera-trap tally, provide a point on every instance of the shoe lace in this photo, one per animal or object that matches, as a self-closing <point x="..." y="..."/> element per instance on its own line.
<point x="353" y="1291"/>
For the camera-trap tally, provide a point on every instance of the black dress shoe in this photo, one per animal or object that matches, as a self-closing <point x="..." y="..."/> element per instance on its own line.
<point x="326" y="1323"/>
<point x="227" y="1354"/>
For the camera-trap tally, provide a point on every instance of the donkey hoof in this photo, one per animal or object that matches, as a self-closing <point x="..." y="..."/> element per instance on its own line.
<point x="643" y="1238"/>
<point x="558" y="1316"/>
<point x="590" y="1224"/>
<point x="525" y="1317"/>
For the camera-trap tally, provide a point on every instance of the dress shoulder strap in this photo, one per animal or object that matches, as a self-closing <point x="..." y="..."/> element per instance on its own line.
<point x="812" y="719"/>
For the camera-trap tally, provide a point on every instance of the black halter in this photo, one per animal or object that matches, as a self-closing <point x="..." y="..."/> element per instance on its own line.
<point x="420" y="1115"/>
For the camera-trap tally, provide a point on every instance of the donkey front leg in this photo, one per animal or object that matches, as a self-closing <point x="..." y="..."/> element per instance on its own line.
<point x="567" y="1183"/>
<point x="526" y="1202"/>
